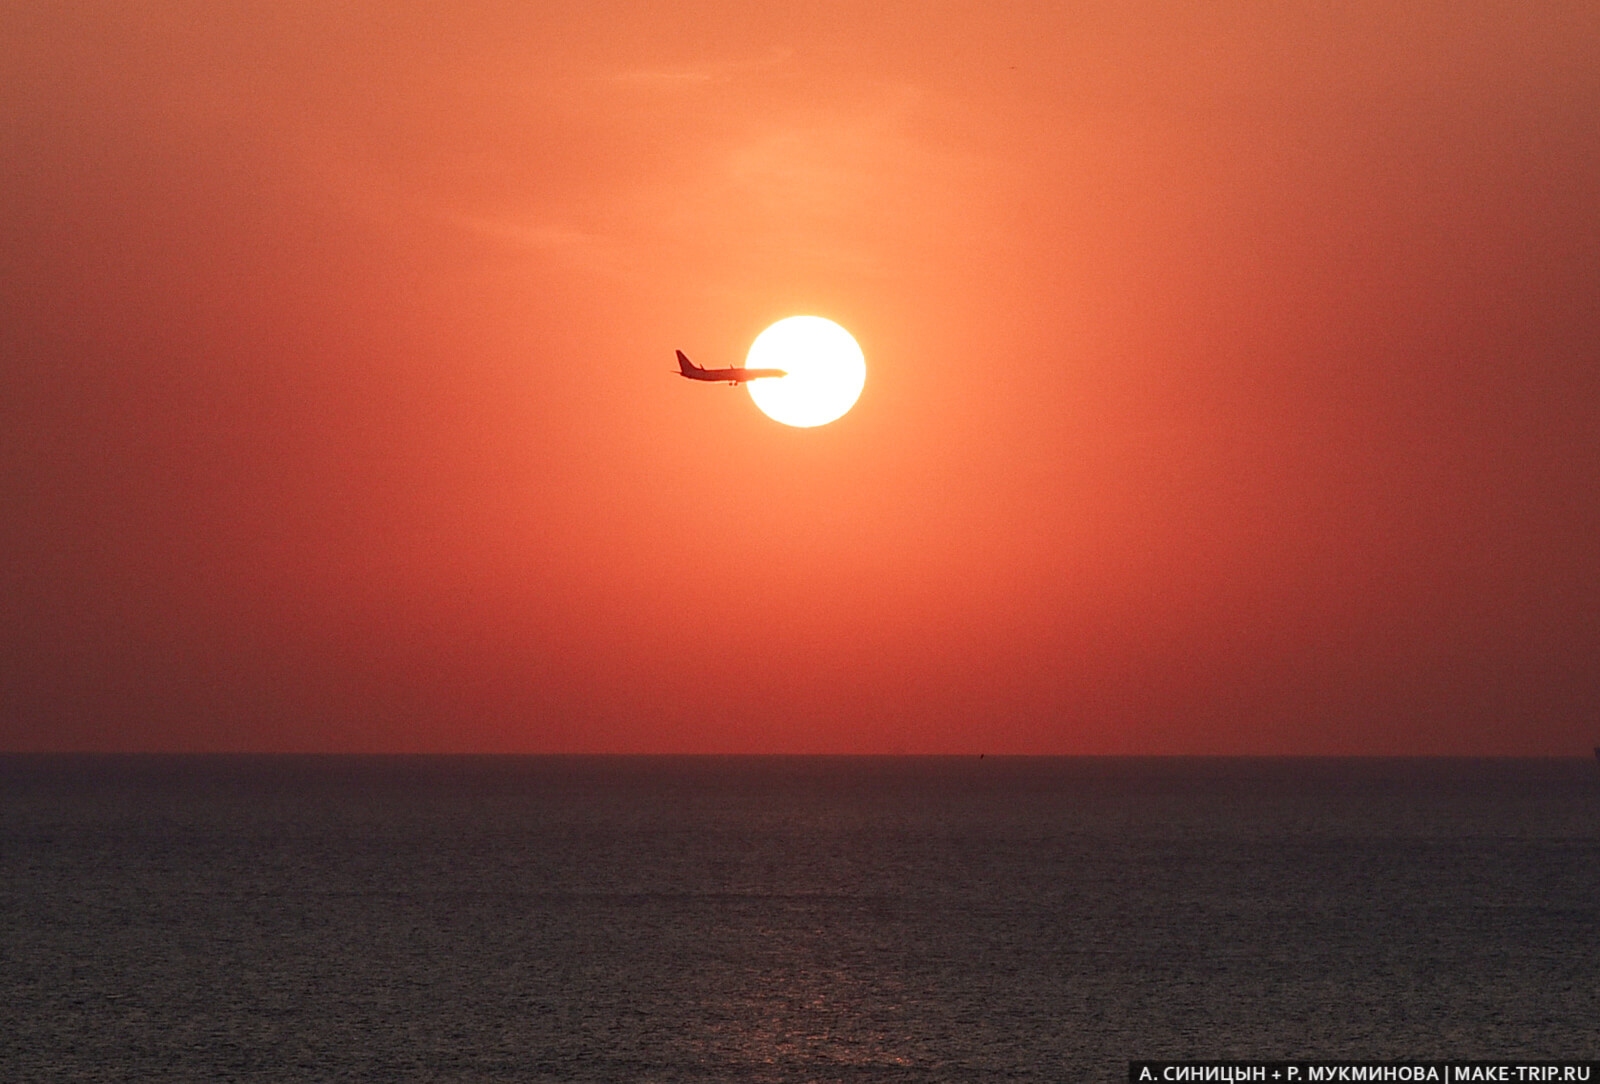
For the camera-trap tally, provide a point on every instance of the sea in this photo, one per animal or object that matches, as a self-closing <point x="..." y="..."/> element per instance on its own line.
<point x="786" y="919"/>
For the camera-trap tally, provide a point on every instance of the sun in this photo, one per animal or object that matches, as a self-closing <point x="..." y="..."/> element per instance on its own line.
<point x="825" y="368"/>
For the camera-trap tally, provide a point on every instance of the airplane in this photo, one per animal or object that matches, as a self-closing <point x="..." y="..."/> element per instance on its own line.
<point x="733" y="376"/>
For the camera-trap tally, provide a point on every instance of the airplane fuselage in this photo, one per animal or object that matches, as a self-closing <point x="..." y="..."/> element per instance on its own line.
<point x="733" y="376"/>
<point x="690" y="370"/>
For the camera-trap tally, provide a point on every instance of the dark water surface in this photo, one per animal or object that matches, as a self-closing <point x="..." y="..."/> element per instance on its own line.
<point x="786" y="919"/>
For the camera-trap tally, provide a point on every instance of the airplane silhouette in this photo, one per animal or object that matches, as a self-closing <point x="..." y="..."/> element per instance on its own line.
<point x="733" y="376"/>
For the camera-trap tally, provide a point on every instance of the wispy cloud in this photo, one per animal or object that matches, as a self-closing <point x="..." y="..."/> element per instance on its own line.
<point x="594" y="251"/>
<point x="701" y="73"/>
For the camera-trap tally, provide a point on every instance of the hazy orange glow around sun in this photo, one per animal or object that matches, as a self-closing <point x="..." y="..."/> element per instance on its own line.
<point x="826" y="371"/>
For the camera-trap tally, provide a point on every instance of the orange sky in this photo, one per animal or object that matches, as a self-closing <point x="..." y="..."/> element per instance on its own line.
<point x="1233" y="377"/>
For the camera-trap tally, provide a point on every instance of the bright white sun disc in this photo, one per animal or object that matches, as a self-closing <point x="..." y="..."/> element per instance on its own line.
<point x="825" y="366"/>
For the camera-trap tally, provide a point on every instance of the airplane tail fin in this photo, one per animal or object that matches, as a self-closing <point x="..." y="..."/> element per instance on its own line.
<point x="685" y="366"/>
